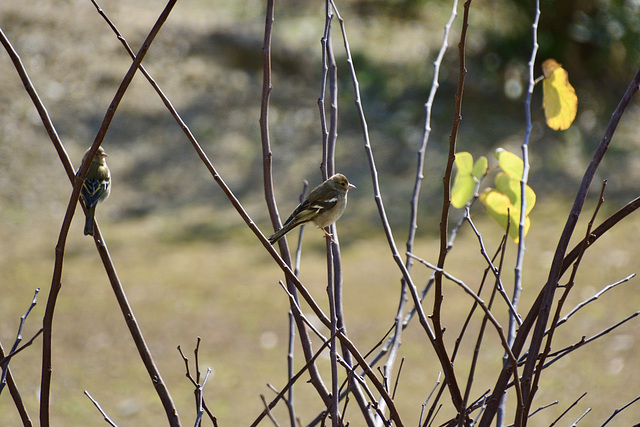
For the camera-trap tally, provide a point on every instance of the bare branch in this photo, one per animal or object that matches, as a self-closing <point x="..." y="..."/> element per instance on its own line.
<point x="266" y="408"/>
<point x="494" y="270"/>
<point x="617" y="411"/>
<point x="489" y="315"/>
<point x="104" y="414"/>
<point x="289" y="384"/>
<point x="606" y="225"/>
<point x="424" y="405"/>
<point x="4" y="362"/>
<point x="567" y="410"/>
<point x="593" y="298"/>
<point x="561" y="353"/>
<point x="581" y="417"/>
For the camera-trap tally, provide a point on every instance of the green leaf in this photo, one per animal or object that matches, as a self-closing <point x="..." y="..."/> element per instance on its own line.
<point x="464" y="184"/>
<point x="510" y="163"/>
<point x="480" y="167"/>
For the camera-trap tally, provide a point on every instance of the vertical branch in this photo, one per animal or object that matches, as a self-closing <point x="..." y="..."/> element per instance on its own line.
<point x="525" y="176"/>
<point x="517" y="287"/>
<point x="329" y="150"/>
<point x="270" y="198"/>
<point x="334" y="270"/>
<point x="333" y="346"/>
<point x="446" y="203"/>
<point x="328" y="169"/>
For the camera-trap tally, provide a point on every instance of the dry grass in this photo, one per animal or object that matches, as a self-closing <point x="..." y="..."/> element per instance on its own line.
<point x="225" y="291"/>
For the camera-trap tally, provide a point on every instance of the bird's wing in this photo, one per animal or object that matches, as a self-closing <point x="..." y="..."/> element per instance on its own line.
<point x="94" y="190"/>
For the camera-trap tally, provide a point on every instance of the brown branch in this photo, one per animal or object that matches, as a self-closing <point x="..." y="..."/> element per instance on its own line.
<point x="561" y="353"/>
<point x="606" y="225"/>
<point x="512" y="359"/>
<point x="289" y="384"/>
<point x="293" y="284"/>
<point x="568" y="409"/>
<point x="439" y="344"/>
<point x="442" y="356"/>
<point x="56" y="284"/>
<point x="16" y="396"/>
<point x="201" y="405"/>
<point x="563" y="298"/>
<point x="617" y="411"/>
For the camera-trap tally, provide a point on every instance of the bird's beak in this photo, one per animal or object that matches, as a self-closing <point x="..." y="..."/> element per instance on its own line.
<point x="351" y="186"/>
<point x="104" y="155"/>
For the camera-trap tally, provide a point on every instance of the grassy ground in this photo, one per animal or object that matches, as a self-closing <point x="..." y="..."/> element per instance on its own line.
<point x="226" y="292"/>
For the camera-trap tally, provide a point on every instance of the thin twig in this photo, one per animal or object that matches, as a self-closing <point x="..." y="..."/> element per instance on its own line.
<point x="289" y="384"/>
<point x="4" y="362"/>
<point x="540" y="408"/>
<point x="593" y="298"/>
<point x="567" y="410"/>
<point x="606" y="225"/>
<point x="200" y="393"/>
<point x="492" y="319"/>
<point x="104" y="414"/>
<point x="266" y="408"/>
<point x="5" y="359"/>
<point x="581" y="417"/>
<point x="561" y="353"/>
<point x="617" y="411"/>
<point x="494" y="270"/>
<point x="435" y="386"/>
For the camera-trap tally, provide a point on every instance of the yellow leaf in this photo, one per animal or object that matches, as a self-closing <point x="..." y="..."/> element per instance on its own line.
<point x="560" y="101"/>
<point x="499" y="208"/>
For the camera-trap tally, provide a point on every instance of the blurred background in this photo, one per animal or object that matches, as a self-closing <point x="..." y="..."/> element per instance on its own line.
<point x="190" y="265"/>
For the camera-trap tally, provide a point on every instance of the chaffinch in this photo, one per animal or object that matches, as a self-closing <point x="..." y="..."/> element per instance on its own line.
<point x="324" y="206"/>
<point x="96" y="186"/>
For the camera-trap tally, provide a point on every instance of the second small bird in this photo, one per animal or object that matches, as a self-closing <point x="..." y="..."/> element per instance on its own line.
<point x="324" y="206"/>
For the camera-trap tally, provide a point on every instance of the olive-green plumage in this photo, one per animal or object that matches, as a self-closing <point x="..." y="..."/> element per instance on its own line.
<point x="323" y="207"/>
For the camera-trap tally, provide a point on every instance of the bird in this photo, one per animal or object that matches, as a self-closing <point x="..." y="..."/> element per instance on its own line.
<point x="96" y="186"/>
<point x="324" y="206"/>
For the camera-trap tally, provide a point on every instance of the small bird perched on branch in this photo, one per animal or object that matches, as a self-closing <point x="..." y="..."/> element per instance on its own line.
<point x="324" y="206"/>
<point x="96" y="186"/>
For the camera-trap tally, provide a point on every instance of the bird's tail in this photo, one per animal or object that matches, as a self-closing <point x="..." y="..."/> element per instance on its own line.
<point x="88" y="223"/>
<point x="273" y="239"/>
